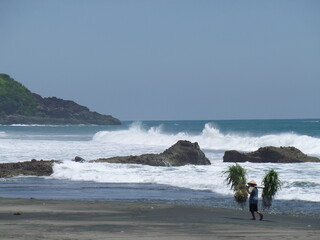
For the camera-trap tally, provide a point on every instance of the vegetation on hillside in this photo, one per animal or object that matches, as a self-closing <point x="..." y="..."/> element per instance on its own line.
<point x="20" y="106"/>
<point x="15" y="98"/>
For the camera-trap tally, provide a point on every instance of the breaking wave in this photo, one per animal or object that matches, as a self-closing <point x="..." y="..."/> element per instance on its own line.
<point x="210" y="139"/>
<point x="296" y="186"/>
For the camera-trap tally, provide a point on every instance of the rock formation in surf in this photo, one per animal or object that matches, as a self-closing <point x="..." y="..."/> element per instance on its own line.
<point x="270" y="155"/>
<point x="33" y="167"/>
<point x="181" y="153"/>
<point x="20" y="106"/>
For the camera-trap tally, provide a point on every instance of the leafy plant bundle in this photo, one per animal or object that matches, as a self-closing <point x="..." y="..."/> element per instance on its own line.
<point x="271" y="184"/>
<point x="236" y="179"/>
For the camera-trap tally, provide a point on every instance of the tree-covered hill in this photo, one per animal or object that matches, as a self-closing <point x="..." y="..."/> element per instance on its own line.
<point x="15" y="98"/>
<point x="18" y="105"/>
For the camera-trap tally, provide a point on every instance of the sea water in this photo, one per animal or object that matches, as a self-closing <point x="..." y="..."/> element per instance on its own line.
<point x="199" y="185"/>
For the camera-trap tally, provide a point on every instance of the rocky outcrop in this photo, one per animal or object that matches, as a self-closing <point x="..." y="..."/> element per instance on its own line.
<point x="33" y="167"/>
<point x="79" y="159"/>
<point x="270" y="154"/>
<point x="181" y="153"/>
<point x="18" y="105"/>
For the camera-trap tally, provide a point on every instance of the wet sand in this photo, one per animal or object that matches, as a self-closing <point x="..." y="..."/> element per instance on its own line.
<point x="51" y="219"/>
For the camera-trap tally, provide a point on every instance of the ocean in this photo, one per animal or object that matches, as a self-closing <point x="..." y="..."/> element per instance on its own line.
<point x="194" y="185"/>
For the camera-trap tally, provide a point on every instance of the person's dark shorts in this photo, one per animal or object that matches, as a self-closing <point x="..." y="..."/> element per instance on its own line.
<point x="253" y="207"/>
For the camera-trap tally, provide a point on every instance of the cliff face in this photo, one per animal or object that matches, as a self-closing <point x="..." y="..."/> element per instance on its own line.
<point x="18" y="105"/>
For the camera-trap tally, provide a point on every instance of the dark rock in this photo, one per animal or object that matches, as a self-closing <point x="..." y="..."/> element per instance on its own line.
<point x="33" y="167"/>
<point x="181" y="153"/>
<point x="79" y="159"/>
<point x="270" y="154"/>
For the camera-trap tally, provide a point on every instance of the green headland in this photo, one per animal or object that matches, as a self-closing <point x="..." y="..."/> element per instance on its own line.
<point x="18" y="105"/>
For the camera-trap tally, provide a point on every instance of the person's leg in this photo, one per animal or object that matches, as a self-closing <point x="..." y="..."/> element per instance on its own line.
<point x="261" y="215"/>
<point x="253" y="216"/>
<point x="252" y="208"/>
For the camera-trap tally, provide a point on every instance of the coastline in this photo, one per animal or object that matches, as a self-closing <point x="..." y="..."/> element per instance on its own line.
<point x="73" y="219"/>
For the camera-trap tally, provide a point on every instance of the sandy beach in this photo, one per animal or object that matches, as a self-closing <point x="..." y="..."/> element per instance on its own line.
<point x="51" y="219"/>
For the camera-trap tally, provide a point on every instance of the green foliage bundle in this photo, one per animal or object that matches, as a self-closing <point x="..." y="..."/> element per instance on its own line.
<point x="271" y="184"/>
<point x="236" y="179"/>
<point x="15" y="98"/>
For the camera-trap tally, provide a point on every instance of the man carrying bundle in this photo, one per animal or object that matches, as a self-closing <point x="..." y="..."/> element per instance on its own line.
<point x="253" y="200"/>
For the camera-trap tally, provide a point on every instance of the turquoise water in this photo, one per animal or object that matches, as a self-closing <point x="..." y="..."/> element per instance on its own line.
<point x="309" y="127"/>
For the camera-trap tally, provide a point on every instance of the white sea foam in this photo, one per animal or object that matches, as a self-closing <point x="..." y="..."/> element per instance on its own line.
<point x="210" y="138"/>
<point x="137" y="140"/>
<point x="296" y="183"/>
<point x="136" y="134"/>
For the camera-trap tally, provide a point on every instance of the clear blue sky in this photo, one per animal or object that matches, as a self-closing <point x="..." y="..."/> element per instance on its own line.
<point x="168" y="59"/>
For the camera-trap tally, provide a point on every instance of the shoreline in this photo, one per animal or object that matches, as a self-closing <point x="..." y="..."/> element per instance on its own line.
<point x="79" y="219"/>
<point x="62" y="189"/>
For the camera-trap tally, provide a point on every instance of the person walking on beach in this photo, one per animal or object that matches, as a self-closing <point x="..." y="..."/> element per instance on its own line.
<point x="253" y="200"/>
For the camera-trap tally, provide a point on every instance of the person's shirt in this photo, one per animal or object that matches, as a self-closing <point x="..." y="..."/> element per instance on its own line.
<point x="253" y="195"/>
